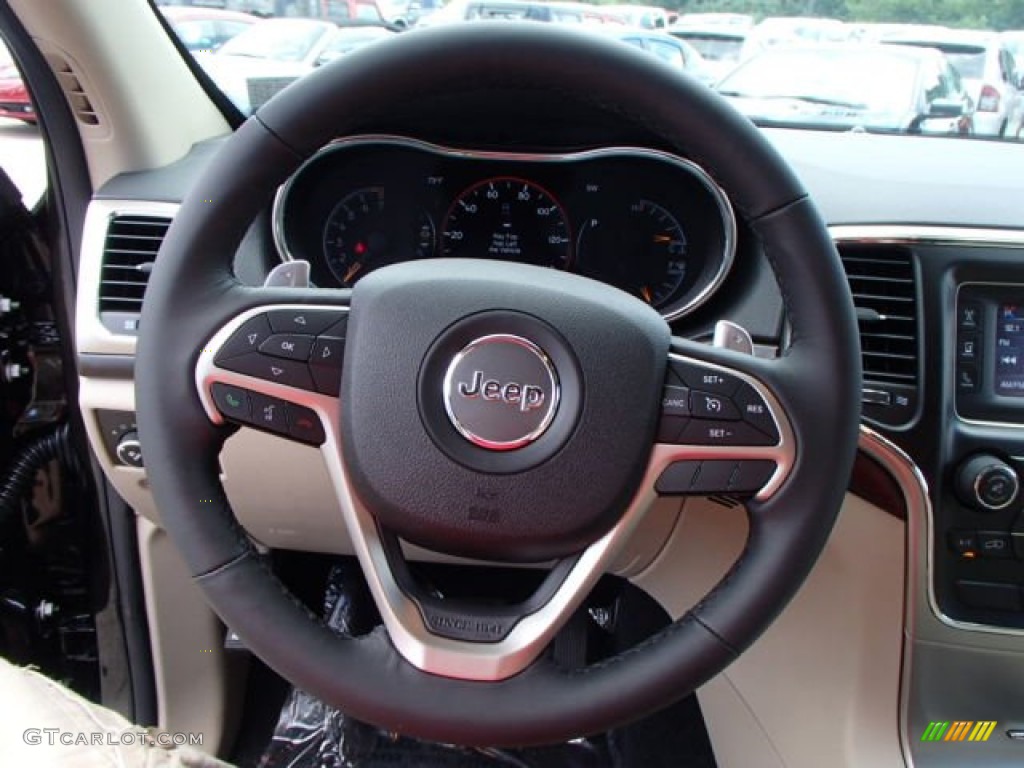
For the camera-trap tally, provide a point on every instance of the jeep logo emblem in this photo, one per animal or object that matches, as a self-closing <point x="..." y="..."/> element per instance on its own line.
<point x="501" y="392"/>
<point x="525" y="397"/>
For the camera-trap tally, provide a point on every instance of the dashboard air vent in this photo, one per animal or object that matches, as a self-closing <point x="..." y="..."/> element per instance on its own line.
<point x="129" y="253"/>
<point x="883" y="281"/>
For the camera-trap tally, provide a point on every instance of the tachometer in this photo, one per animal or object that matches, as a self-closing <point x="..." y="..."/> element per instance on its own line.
<point x="641" y="249"/>
<point x="359" y="238"/>
<point x="509" y="219"/>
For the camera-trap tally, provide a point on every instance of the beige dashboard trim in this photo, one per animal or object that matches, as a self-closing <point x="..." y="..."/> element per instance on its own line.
<point x="842" y="639"/>
<point x="919" y="512"/>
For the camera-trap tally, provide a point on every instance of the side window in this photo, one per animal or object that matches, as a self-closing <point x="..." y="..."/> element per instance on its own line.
<point x="1006" y="65"/>
<point x="21" y="148"/>
<point x="954" y="78"/>
<point x="935" y="83"/>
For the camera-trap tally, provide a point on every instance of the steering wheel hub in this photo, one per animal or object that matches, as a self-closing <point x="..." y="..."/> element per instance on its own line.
<point x="501" y="392"/>
<point x="510" y="405"/>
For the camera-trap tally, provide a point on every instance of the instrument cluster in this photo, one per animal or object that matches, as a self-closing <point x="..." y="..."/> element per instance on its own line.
<point x="652" y="224"/>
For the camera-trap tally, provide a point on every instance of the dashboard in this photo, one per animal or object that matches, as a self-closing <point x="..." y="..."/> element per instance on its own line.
<point x="663" y="229"/>
<point x="648" y="222"/>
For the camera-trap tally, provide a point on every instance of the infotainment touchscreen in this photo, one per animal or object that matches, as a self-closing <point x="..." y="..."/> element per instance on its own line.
<point x="1009" y="351"/>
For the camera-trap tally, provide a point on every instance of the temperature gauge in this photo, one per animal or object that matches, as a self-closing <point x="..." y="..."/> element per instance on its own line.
<point x="642" y="250"/>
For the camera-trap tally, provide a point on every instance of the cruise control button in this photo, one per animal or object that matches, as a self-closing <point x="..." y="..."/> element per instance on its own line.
<point x="754" y="410"/>
<point x="269" y="413"/>
<point x="751" y="475"/>
<point x="675" y="401"/>
<point x="707" y="405"/>
<point x="304" y="425"/>
<point x="290" y="346"/>
<point x="232" y="402"/>
<point x="677" y="477"/>
<point x="248" y="338"/>
<point x="287" y="372"/>
<point x="705" y="379"/>
<point x="306" y="321"/>
<point x="706" y="432"/>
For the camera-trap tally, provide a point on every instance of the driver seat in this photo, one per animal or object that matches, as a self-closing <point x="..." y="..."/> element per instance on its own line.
<point x="50" y="725"/>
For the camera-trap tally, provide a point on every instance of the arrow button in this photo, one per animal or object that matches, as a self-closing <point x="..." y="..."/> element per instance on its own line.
<point x="328" y="352"/>
<point x="292" y="373"/>
<point x="247" y="338"/>
<point x="304" y="321"/>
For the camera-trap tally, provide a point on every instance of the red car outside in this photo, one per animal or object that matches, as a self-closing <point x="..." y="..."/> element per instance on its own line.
<point x="14" y="100"/>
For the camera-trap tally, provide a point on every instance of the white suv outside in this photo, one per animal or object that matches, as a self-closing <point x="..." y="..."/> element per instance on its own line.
<point x="989" y="72"/>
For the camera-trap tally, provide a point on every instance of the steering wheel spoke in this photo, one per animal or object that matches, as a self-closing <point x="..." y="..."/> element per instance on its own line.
<point x="472" y="640"/>
<point x="276" y="368"/>
<point x="722" y="430"/>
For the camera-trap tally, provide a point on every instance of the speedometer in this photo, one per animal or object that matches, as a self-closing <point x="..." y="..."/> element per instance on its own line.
<point x="510" y="219"/>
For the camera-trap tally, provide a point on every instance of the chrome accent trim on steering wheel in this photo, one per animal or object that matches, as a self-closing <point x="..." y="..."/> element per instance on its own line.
<point x="533" y="632"/>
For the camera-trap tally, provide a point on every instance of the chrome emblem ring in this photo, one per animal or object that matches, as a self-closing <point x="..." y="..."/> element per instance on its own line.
<point x="501" y="392"/>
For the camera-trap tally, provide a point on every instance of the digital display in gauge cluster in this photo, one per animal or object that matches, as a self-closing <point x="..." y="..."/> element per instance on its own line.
<point x="651" y="224"/>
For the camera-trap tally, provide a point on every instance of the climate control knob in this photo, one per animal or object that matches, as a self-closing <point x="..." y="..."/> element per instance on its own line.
<point x="987" y="482"/>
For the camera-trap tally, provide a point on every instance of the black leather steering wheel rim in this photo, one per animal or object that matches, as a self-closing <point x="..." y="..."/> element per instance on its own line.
<point x="192" y="292"/>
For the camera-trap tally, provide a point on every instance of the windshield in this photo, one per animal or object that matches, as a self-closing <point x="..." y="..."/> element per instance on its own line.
<point x="868" y="80"/>
<point x="278" y="40"/>
<point x="953" y="68"/>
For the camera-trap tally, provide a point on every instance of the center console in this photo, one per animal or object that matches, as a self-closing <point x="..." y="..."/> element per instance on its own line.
<point x="979" y="547"/>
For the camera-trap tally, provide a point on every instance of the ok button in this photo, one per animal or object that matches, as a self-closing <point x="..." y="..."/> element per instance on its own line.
<point x="290" y="346"/>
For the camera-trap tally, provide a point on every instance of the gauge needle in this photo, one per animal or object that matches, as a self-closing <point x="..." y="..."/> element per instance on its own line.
<point x="352" y="271"/>
<point x="646" y="293"/>
<point x="663" y="238"/>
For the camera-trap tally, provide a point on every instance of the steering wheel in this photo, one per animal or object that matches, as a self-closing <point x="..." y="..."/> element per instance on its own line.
<point x="494" y="410"/>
